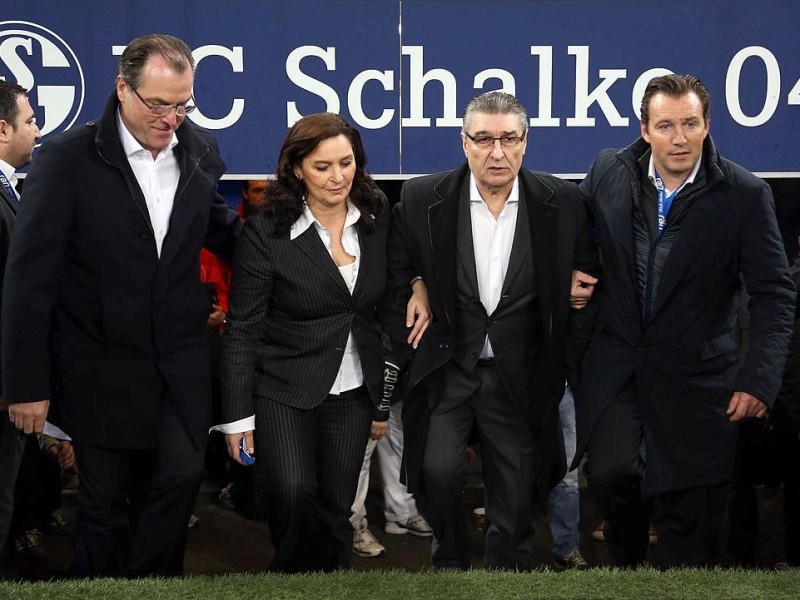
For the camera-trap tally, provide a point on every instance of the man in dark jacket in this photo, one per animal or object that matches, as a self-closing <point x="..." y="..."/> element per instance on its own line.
<point x="497" y="246"/>
<point x="679" y="229"/>
<point x="18" y="136"/>
<point x="104" y="312"/>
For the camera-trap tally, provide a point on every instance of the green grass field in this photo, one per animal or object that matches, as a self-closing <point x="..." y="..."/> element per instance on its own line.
<point x="594" y="584"/>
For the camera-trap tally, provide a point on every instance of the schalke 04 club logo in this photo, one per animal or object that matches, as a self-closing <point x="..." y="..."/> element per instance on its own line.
<point x="40" y="61"/>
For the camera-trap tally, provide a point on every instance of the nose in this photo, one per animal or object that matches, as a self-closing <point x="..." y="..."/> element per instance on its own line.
<point x="497" y="149"/>
<point x="680" y="137"/>
<point x="172" y="118"/>
<point x="336" y="174"/>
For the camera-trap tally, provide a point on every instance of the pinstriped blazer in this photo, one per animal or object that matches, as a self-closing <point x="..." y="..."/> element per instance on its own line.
<point x="290" y="316"/>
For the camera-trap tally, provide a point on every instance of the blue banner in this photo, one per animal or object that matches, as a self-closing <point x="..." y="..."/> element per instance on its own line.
<point x="402" y="71"/>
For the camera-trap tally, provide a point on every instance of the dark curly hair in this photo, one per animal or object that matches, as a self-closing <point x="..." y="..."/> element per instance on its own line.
<point x="285" y="195"/>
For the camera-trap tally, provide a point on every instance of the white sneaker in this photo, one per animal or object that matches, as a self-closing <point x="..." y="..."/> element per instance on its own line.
<point x="416" y="525"/>
<point x="365" y="544"/>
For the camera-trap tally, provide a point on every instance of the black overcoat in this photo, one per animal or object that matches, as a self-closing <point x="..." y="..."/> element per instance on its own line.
<point x="423" y="243"/>
<point x="93" y="319"/>
<point x="684" y="358"/>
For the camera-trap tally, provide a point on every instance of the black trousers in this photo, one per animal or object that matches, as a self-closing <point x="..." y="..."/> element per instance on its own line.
<point x="37" y="493"/>
<point x="688" y="520"/>
<point x="308" y="463"/>
<point x="134" y="505"/>
<point x="507" y="453"/>
<point x="12" y="445"/>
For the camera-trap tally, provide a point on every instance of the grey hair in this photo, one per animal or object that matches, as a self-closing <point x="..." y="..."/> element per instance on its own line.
<point x="495" y="103"/>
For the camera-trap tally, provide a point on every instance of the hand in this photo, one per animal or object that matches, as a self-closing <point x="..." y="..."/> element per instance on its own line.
<point x="582" y="289"/>
<point x="29" y="416"/>
<point x="217" y="316"/>
<point x="743" y="405"/>
<point x="378" y="429"/>
<point x="232" y="441"/>
<point x="418" y="312"/>
<point x="64" y="453"/>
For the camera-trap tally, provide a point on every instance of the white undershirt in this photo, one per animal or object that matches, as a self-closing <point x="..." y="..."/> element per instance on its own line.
<point x="157" y="178"/>
<point x="491" y="241"/>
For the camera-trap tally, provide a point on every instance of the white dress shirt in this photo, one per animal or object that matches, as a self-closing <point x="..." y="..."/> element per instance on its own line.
<point x="157" y="178"/>
<point x="491" y="241"/>
<point x="350" y="375"/>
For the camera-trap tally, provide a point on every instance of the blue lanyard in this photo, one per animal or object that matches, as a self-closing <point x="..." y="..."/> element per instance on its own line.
<point x="9" y="188"/>
<point x="664" y="202"/>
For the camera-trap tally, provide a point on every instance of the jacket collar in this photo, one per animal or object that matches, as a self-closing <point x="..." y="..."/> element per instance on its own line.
<point x="110" y="147"/>
<point x="631" y="156"/>
<point x="533" y="188"/>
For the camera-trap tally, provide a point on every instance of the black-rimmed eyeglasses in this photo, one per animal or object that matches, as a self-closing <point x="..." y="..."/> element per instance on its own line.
<point x="487" y="141"/>
<point x="162" y="110"/>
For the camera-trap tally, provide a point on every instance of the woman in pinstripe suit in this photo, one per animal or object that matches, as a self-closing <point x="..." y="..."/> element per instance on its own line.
<point x="303" y="353"/>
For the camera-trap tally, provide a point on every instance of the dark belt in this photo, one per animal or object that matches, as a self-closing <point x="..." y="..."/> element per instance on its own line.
<point x="486" y="362"/>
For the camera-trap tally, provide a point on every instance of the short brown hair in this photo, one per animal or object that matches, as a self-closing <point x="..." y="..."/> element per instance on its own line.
<point x="171" y="49"/>
<point x="675" y="86"/>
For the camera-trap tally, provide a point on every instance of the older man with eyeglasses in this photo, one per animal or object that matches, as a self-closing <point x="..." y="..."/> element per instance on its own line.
<point x="104" y="314"/>
<point x="504" y="252"/>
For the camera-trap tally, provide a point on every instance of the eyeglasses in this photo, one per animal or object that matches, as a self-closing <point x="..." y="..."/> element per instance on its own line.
<point x="487" y="141"/>
<point x="162" y="110"/>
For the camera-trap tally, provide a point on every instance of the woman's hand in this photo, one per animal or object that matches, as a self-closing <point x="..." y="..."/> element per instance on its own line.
<point x="232" y="441"/>
<point x="418" y="312"/>
<point x="378" y="429"/>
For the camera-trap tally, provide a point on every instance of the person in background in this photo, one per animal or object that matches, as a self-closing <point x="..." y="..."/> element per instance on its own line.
<point x="303" y="353"/>
<point x="38" y="493"/>
<point x="18" y="136"/>
<point x="399" y="507"/>
<point x="564" y="501"/>
<point x="254" y="194"/>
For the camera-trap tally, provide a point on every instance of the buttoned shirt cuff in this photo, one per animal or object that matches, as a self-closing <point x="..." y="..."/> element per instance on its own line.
<point x="240" y="426"/>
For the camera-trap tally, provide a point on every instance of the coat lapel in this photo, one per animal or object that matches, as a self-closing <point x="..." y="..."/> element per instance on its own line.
<point x="519" y="251"/>
<point x="368" y="259"/>
<point x="543" y="223"/>
<point x="442" y="218"/>
<point x="110" y="148"/>
<point x="697" y="228"/>
<point x="310" y="243"/>
<point x="464" y="243"/>
<point x="11" y="203"/>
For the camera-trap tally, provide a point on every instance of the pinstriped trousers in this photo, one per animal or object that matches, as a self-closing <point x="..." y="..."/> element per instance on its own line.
<point x="308" y="463"/>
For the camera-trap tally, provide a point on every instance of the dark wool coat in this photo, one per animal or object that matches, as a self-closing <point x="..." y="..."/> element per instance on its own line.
<point x="93" y="319"/>
<point x="684" y="355"/>
<point x="423" y="242"/>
